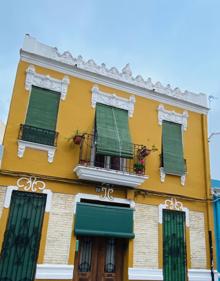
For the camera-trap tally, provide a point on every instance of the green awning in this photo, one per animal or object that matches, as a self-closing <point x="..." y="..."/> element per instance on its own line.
<point x="103" y="220"/>
<point x="112" y="132"/>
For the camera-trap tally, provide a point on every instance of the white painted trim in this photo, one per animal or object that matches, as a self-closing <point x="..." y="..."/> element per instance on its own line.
<point x="50" y="58"/>
<point x="163" y="176"/>
<point x="46" y="82"/>
<point x="22" y="145"/>
<point x="112" y="100"/>
<point x="49" y="199"/>
<point x="54" y="271"/>
<point x="109" y="176"/>
<point x="173" y="204"/>
<point x="80" y="196"/>
<point x="145" y="274"/>
<point x="8" y="194"/>
<point x="157" y="274"/>
<point x="172" y="116"/>
<point x="201" y="275"/>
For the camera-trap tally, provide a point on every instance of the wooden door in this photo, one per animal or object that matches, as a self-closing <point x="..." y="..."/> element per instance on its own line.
<point x="99" y="259"/>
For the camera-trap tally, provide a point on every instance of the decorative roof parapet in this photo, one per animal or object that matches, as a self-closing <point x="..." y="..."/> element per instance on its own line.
<point x="31" y="45"/>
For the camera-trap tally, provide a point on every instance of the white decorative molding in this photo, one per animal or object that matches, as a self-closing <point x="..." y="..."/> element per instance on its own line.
<point x="172" y="116"/>
<point x="49" y="199"/>
<point x="112" y="100"/>
<point x="46" y="82"/>
<point x="201" y="275"/>
<point x="8" y="194"/>
<point x="10" y="189"/>
<point x="107" y="192"/>
<point x="22" y="145"/>
<point x="173" y="204"/>
<point x="163" y="176"/>
<point x="49" y="57"/>
<point x="109" y="176"/>
<point x="80" y="196"/>
<point x="54" y="271"/>
<point x="144" y="274"/>
<point x="157" y="274"/>
<point x="30" y="184"/>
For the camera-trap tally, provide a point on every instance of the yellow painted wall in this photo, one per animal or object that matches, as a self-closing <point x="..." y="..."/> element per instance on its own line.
<point x="76" y="113"/>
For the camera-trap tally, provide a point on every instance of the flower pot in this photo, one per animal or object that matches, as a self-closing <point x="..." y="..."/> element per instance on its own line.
<point x="144" y="152"/>
<point x="77" y="139"/>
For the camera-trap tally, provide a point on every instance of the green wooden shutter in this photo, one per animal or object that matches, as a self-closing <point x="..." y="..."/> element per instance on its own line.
<point x="174" y="249"/>
<point x="103" y="220"/>
<point x="112" y="132"/>
<point x="172" y="149"/>
<point x="22" y="236"/>
<point x="43" y="108"/>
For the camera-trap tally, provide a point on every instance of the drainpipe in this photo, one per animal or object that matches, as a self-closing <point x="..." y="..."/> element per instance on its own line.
<point x="208" y="191"/>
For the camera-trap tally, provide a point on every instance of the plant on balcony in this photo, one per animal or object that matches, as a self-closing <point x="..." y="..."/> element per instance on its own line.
<point x="77" y="137"/>
<point x="139" y="167"/>
<point x="144" y="151"/>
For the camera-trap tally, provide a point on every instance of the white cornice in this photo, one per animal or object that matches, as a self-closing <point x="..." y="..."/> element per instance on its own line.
<point x="45" y="81"/>
<point x="49" y="57"/>
<point x="112" y="100"/>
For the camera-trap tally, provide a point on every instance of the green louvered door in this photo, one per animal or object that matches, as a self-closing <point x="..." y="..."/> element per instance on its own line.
<point x="174" y="250"/>
<point x="22" y="237"/>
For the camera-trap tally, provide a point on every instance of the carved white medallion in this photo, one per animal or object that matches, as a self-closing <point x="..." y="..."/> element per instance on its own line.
<point x="46" y="82"/>
<point x="112" y="100"/>
<point x="30" y="184"/>
<point x="173" y="204"/>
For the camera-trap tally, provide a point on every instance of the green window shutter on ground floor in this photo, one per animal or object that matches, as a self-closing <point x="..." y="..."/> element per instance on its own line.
<point x="112" y="132"/>
<point x="103" y="220"/>
<point x="43" y="108"/>
<point x="172" y="148"/>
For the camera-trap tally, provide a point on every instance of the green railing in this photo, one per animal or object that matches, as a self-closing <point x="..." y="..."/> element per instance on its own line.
<point x="38" y="135"/>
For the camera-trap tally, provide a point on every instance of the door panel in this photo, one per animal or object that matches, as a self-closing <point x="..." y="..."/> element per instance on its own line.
<point x="22" y="236"/>
<point x="174" y="249"/>
<point x="102" y="260"/>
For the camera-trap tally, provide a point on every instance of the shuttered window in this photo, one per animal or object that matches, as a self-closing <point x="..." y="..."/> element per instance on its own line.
<point x="172" y="149"/>
<point x="43" y="108"/>
<point x="112" y="132"/>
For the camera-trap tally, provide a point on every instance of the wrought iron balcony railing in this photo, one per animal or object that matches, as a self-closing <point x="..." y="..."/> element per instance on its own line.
<point x="38" y="135"/>
<point x="88" y="157"/>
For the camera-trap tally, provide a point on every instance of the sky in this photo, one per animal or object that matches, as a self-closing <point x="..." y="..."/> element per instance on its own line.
<point x="175" y="42"/>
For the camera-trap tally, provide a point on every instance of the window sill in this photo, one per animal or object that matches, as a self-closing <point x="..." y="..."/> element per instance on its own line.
<point x="109" y="176"/>
<point x="22" y="145"/>
<point x="163" y="175"/>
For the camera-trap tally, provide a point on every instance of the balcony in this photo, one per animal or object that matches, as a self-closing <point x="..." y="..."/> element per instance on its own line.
<point x="37" y="138"/>
<point x="37" y="135"/>
<point x="110" y="169"/>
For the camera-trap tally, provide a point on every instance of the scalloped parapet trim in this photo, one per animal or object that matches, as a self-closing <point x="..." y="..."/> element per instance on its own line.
<point x="31" y="45"/>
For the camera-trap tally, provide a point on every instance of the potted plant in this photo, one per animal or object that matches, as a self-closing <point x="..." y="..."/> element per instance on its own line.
<point x="144" y="151"/>
<point x="77" y="137"/>
<point x="139" y="167"/>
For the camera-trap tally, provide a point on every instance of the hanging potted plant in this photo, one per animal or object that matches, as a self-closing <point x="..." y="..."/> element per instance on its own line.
<point x="77" y="137"/>
<point x="144" y="151"/>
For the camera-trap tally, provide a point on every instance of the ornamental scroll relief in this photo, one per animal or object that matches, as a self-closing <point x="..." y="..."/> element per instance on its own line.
<point x="173" y="204"/>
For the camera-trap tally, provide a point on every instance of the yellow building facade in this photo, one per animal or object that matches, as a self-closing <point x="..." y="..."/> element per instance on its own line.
<point x="104" y="176"/>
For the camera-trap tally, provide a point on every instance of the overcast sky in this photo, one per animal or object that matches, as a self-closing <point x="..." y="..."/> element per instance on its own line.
<point x="174" y="42"/>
